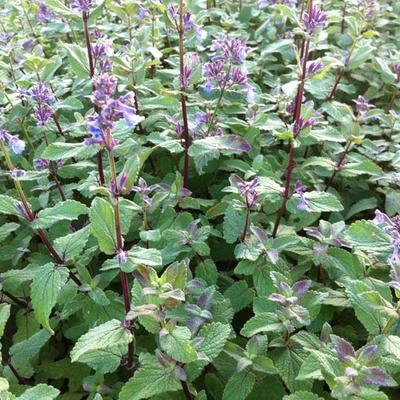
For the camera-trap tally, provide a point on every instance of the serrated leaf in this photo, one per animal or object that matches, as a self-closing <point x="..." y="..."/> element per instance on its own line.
<point x="40" y="392"/>
<point x="102" y="339"/>
<point x="215" y="336"/>
<point x="317" y="202"/>
<point x="233" y="224"/>
<point x="302" y="395"/>
<point x="71" y="245"/>
<point x="8" y="205"/>
<point x="78" y="60"/>
<point x="22" y="352"/>
<point x="63" y="151"/>
<point x="239" y="386"/>
<point x="149" y="380"/>
<point x="366" y="236"/>
<point x="102" y="225"/>
<point x="264" y="322"/>
<point x="240" y="295"/>
<point x="67" y="210"/>
<point x="45" y="288"/>
<point x="4" y="315"/>
<point x="177" y="345"/>
<point x="6" y="229"/>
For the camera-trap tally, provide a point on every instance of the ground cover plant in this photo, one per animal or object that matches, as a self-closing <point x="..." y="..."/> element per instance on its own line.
<point x="200" y="199"/>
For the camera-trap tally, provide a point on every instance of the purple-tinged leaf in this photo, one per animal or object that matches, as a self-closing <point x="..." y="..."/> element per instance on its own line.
<point x="377" y="376"/>
<point x="343" y="348"/>
<point x="368" y="352"/>
<point x="301" y="288"/>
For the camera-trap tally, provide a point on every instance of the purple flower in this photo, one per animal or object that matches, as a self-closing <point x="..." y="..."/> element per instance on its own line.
<point x="301" y="124"/>
<point x="44" y="14"/>
<point x="43" y="115"/>
<point x="105" y="86"/>
<point x="362" y="105"/>
<point x="17" y="173"/>
<point x="143" y="11"/>
<point x="185" y="78"/>
<point x="248" y="190"/>
<point x="22" y="211"/>
<point x="14" y="142"/>
<point x="315" y="67"/>
<point x="122" y="256"/>
<point x="41" y="164"/>
<point x="396" y="70"/>
<point x="299" y="189"/>
<point x="314" y="19"/>
<point x="144" y="190"/>
<point x="40" y="94"/>
<point x="392" y="227"/>
<point x="81" y="5"/>
<point x="231" y="51"/>
<point x="369" y="8"/>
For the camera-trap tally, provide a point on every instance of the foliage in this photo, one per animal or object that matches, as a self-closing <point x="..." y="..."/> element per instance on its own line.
<point x="199" y="200"/>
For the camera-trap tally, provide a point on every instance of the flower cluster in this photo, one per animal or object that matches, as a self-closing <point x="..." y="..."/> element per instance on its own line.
<point x="41" y="95"/>
<point x="314" y="19"/>
<point x="303" y="203"/>
<point x="42" y="164"/>
<point x="17" y="173"/>
<point x="111" y="110"/>
<point x="363" y="106"/>
<point x="392" y="227"/>
<point x="102" y="51"/>
<point x="230" y="50"/>
<point x="81" y="5"/>
<point x="188" y="22"/>
<point x="302" y="124"/>
<point x="369" y="8"/>
<point x="248" y="190"/>
<point x="314" y="67"/>
<point x="203" y="128"/>
<point x="222" y="70"/>
<point x="13" y="141"/>
<point x="145" y="190"/>
<point x="44" y="14"/>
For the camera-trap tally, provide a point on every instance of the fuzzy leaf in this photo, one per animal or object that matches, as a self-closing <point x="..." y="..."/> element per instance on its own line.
<point x="45" y="288"/>
<point x="239" y="386"/>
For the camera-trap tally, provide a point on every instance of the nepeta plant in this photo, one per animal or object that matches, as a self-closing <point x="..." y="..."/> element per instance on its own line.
<point x="199" y="200"/>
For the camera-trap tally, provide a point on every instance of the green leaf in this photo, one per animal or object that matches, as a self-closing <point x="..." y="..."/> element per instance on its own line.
<point x="143" y="256"/>
<point x="8" y="205"/>
<point x="6" y="229"/>
<point x="40" y="392"/>
<point x="239" y="386"/>
<point x="62" y="9"/>
<point x="21" y="353"/>
<point x="360" y="56"/>
<point x="71" y="245"/>
<point x="177" y="345"/>
<point x="100" y="341"/>
<point x="149" y="380"/>
<point x="359" y="168"/>
<point x="78" y="60"/>
<point x="240" y="295"/>
<point x="343" y="264"/>
<point x="264" y="322"/>
<point x="4" y="315"/>
<point x="215" y="335"/>
<point x="66" y="210"/>
<point x="317" y="202"/>
<point x="102" y="225"/>
<point x="63" y="151"/>
<point x="45" y="289"/>
<point x="362" y="205"/>
<point x="366" y="236"/>
<point x="233" y="224"/>
<point x="302" y="395"/>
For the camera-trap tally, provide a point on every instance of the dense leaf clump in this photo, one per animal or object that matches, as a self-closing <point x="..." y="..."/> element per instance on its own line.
<point x="200" y="199"/>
